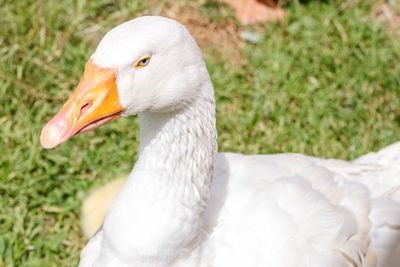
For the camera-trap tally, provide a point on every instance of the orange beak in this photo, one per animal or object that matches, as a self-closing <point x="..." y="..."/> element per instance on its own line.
<point x="94" y="103"/>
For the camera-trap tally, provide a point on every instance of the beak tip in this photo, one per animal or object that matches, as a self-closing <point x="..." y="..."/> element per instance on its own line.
<point x="50" y="136"/>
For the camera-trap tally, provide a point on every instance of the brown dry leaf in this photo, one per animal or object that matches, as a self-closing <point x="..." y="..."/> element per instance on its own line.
<point x="388" y="15"/>
<point x="255" y="11"/>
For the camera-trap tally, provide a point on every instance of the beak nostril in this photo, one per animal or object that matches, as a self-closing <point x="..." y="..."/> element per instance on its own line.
<point x="84" y="108"/>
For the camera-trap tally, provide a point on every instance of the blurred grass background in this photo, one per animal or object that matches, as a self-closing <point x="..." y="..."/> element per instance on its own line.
<point x="325" y="82"/>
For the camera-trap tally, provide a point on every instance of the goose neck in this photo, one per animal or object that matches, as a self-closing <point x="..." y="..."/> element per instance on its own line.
<point x="179" y="148"/>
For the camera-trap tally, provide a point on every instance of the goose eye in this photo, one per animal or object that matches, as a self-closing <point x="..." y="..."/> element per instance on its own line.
<point x="142" y="62"/>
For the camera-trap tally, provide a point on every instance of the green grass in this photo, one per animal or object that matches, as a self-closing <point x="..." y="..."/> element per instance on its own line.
<point x="326" y="83"/>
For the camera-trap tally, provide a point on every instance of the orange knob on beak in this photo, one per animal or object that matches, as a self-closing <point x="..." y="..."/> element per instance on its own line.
<point x="94" y="103"/>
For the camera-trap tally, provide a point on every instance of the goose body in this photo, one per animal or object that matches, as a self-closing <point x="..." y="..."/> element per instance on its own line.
<point x="184" y="204"/>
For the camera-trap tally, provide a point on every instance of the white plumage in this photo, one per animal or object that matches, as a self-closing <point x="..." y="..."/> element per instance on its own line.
<point x="185" y="205"/>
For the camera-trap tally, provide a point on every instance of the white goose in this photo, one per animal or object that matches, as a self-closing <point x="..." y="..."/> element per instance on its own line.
<point x="185" y="205"/>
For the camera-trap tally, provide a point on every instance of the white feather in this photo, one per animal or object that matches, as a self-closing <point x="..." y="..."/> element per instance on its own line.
<point x="185" y="205"/>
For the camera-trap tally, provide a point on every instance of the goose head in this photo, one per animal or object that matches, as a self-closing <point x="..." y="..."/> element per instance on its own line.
<point x="149" y="64"/>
